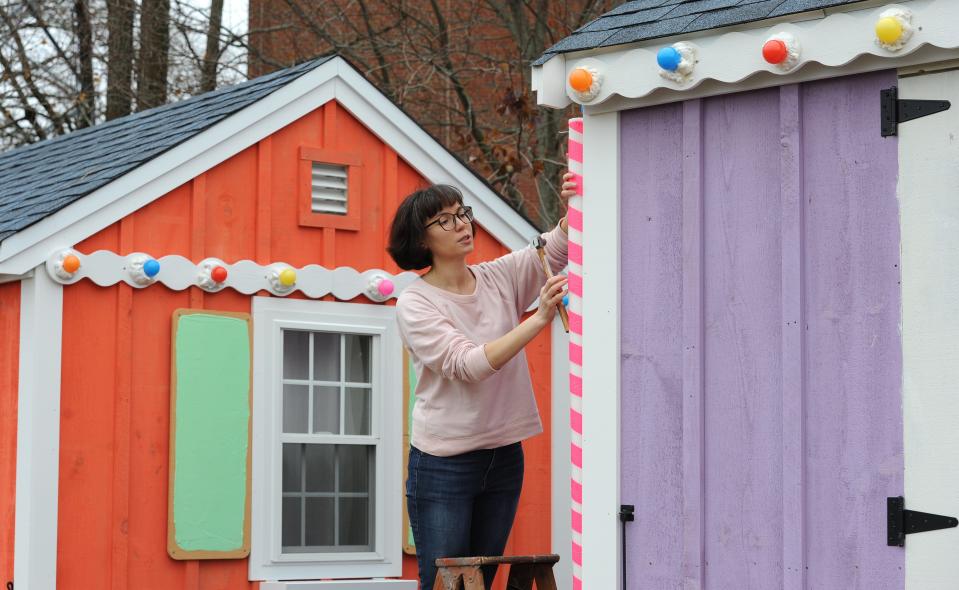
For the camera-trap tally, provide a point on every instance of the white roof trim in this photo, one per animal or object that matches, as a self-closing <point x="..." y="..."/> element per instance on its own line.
<point x="842" y="43"/>
<point x="337" y="79"/>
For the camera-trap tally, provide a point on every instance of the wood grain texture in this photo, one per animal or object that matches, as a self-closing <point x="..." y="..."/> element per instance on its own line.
<point x="792" y="245"/>
<point x="9" y="385"/>
<point x="114" y="465"/>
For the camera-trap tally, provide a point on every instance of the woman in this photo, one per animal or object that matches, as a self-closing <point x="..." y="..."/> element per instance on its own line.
<point x="474" y="399"/>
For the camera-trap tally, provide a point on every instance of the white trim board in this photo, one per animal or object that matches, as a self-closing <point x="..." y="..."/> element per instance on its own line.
<point x="729" y="59"/>
<point x="601" y="357"/>
<point x="342" y="585"/>
<point x="270" y="316"/>
<point x="38" y="434"/>
<point x="928" y="177"/>
<point x="560" y="462"/>
<point x="333" y="79"/>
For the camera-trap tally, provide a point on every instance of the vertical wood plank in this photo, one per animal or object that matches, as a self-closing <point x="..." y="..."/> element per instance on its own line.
<point x="793" y="391"/>
<point x="120" y="556"/>
<point x="693" y="383"/>
<point x="329" y="142"/>
<point x="264" y="180"/>
<point x="197" y="232"/>
<point x="391" y="201"/>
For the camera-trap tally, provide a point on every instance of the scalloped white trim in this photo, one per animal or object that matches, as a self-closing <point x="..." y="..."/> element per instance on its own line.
<point x="731" y="58"/>
<point x="684" y="71"/>
<point x="107" y="268"/>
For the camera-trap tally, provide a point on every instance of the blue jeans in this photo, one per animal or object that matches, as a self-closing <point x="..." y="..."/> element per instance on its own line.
<point x="462" y="506"/>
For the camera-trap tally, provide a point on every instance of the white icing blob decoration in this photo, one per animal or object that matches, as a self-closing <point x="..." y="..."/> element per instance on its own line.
<point x="585" y="82"/>
<point x="379" y="288"/>
<point x="787" y="60"/>
<point x="64" y="265"/>
<point x="282" y="278"/>
<point x="894" y="28"/>
<point x="211" y="274"/>
<point x="142" y="269"/>
<point x="687" y="63"/>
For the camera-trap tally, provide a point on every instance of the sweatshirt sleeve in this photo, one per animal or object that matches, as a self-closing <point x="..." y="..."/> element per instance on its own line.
<point x="440" y="345"/>
<point x="524" y="270"/>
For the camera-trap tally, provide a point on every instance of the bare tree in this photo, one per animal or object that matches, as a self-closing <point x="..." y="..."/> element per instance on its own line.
<point x="153" y="61"/>
<point x="460" y="67"/>
<point x="119" y="58"/>
<point x="211" y="56"/>
<point x="86" y="101"/>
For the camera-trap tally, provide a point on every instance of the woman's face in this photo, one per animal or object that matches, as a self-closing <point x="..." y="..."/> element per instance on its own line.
<point x="454" y="241"/>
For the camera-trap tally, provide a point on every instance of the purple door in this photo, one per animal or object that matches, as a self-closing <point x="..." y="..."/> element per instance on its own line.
<point x="761" y="355"/>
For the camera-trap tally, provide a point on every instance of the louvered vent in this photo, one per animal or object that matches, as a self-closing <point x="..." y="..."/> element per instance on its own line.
<point x="329" y="188"/>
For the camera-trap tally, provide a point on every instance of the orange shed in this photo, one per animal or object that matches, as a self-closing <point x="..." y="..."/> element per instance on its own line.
<point x="201" y="384"/>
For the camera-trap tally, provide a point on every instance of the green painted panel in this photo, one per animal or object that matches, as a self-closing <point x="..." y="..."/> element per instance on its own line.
<point x="211" y="422"/>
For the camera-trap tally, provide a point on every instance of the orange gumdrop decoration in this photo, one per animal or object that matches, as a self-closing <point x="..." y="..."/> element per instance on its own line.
<point x="580" y="79"/>
<point x="71" y="263"/>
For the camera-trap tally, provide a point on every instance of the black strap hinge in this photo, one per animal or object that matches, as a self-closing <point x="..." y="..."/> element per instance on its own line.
<point x="895" y="111"/>
<point x="902" y="522"/>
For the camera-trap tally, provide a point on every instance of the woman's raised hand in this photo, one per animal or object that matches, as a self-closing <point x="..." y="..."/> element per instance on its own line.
<point x="550" y="296"/>
<point x="569" y="186"/>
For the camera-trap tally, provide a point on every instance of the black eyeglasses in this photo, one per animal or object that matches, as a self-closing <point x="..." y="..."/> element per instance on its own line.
<point x="446" y="219"/>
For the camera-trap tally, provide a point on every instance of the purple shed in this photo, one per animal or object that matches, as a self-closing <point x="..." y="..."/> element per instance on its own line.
<point x="771" y="279"/>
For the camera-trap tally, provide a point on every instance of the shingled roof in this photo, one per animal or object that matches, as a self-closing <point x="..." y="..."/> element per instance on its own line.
<point x="640" y="20"/>
<point x="44" y="177"/>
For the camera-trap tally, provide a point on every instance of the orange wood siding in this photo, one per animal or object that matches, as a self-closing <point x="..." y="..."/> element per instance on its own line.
<point x="116" y="351"/>
<point x="9" y="367"/>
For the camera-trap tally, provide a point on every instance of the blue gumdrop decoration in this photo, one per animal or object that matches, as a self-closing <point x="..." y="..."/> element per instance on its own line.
<point x="668" y="58"/>
<point x="566" y="300"/>
<point x="151" y="268"/>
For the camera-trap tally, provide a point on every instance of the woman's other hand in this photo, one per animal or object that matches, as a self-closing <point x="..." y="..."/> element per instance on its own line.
<point x="568" y="191"/>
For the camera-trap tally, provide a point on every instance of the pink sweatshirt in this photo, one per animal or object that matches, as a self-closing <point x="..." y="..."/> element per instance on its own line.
<point x="462" y="403"/>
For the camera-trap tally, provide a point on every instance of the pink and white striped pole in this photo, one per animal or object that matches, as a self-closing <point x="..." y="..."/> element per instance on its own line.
<point x="575" y="220"/>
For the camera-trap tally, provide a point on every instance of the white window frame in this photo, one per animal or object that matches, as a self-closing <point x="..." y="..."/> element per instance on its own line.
<point x="270" y="316"/>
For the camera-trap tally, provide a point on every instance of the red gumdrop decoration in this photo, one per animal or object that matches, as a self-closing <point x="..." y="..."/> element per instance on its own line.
<point x="218" y="274"/>
<point x="774" y="51"/>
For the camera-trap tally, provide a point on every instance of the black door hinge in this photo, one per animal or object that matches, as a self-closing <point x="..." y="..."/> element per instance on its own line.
<point x="895" y="111"/>
<point x="626" y="513"/>
<point x="902" y="522"/>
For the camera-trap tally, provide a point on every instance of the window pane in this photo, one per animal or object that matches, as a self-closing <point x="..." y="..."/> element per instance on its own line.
<point x="354" y="464"/>
<point x="354" y="521"/>
<point x="291" y="522"/>
<point x="326" y="409"/>
<point x="319" y="468"/>
<point x="357" y="412"/>
<point x="292" y="467"/>
<point x="326" y="356"/>
<point x="296" y="354"/>
<point x="358" y="358"/>
<point x="296" y="408"/>
<point x="319" y="521"/>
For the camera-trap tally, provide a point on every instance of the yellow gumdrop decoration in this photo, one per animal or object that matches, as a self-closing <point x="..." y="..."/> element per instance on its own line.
<point x="287" y="277"/>
<point x="580" y="79"/>
<point x="888" y="29"/>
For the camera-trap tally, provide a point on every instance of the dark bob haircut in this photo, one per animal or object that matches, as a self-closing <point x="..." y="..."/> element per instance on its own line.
<point x="407" y="233"/>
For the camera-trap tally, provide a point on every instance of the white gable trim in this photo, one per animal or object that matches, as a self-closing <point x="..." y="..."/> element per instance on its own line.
<point x="334" y="79"/>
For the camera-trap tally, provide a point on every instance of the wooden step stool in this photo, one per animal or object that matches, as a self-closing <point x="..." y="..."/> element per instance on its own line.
<point x="465" y="573"/>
